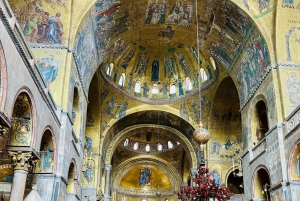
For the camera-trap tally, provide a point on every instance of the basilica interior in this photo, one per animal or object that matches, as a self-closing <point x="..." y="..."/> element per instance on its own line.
<point x="101" y="99"/>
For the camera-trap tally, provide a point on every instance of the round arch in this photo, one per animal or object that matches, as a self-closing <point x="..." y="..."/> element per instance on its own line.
<point x="126" y="132"/>
<point x="255" y="179"/>
<point x="32" y="107"/>
<point x="48" y="130"/>
<point x="253" y="124"/>
<point x="124" y="167"/>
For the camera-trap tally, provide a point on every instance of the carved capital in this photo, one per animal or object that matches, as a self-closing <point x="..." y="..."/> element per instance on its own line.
<point x="20" y="159"/>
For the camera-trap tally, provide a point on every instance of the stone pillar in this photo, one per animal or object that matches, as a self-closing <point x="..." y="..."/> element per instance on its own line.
<point x="21" y="164"/>
<point x="107" y="181"/>
<point x="193" y="172"/>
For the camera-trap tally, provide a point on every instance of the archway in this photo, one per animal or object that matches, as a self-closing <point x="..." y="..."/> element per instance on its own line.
<point x="259" y="121"/>
<point x="261" y="183"/>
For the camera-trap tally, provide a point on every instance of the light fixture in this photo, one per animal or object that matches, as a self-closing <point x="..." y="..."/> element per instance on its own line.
<point x="204" y="186"/>
<point x="201" y="134"/>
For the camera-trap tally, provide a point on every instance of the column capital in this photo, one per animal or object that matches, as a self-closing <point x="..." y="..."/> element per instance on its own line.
<point x="20" y="159"/>
<point x="108" y="167"/>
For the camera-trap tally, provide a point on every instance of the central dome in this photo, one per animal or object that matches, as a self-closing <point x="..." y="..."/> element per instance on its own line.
<point x="152" y="71"/>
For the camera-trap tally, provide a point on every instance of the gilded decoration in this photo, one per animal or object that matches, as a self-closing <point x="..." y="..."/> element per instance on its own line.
<point x="128" y="131"/>
<point x="21" y="122"/>
<point x="21" y="160"/>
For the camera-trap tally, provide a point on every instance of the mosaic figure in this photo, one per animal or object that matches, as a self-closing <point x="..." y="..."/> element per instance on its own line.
<point x="110" y="106"/>
<point x="48" y="68"/>
<point x="180" y="14"/>
<point x="216" y="176"/>
<point x="183" y="63"/>
<point x="123" y="109"/>
<point x="142" y="65"/>
<point x="130" y="85"/>
<point x="146" y="90"/>
<point x="128" y="58"/>
<point x="297" y="169"/>
<point x="155" y="70"/>
<point x="169" y="68"/>
<point x="46" y="160"/>
<point x="156" y="12"/>
<point x="145" y="177"/>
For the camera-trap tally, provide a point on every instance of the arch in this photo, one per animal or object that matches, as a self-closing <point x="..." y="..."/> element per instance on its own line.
<point x="3" y="78"/>
<point x="72" y="177"/>
<point x="127" y="165"/>
<point x="109" y="69"/>
<point x="258" y="104"/>
<point x="233" y="177"/>
<point x="48" y="160"/>
<point x="23" y="119"/>
<point x="122" y="80"/>
<point x="123" y="134"/>
<point x="137" y="87"/>
<point x="294" y="162"/>
<point x="260" y="177"/>
<point x="188" y="84"/>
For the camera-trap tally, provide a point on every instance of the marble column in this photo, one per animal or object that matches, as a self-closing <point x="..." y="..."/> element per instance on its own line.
<point x="107" y="182"/>
<point x="21" y="164"/>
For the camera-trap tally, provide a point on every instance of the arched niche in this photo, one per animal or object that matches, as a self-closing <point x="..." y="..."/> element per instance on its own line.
<point x="47" y="154"/>
<point x="72" y="178"/>
<point x="22" y="121"/>
<point x="225" y="127"/>
<point x="235" y="181"/>
<point x="261" y="183"/>
<point x="259" y="121"/>
<point x="3" y="78"/>
<point x="76" y="113"/>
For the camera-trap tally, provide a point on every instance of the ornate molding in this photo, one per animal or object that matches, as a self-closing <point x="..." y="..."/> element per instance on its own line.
<point x="21" y="160"/>
<point x="128" y="131"/>
<point x="293" y="121"/>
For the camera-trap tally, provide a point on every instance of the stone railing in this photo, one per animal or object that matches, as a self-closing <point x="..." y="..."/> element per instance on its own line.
<point x="145" y="192"/>
<point x="259" y="150"/>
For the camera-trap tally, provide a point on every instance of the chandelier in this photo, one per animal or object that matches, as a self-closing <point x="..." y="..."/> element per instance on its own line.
<point x="204" y="186"/>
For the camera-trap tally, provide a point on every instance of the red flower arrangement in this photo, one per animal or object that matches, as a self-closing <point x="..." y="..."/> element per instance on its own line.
<point x="204" y="188"/>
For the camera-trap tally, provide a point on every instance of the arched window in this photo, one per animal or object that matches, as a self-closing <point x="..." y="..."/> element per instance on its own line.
<point x="137" y="88"/>
<point x="203" y="75"/>
<point x="109" y="69"/>
<point x="155" y="89"/>
<point x="147" y="148"/>
<point x="213" y="63"/>
<point x="188" y="84"/>
<point x="126" y="142"/>
<point x="170" y="145"/>
<point x="136" y="146"/>
<point x="122" y="80"/>
<point x="159" y="147"/>
<point x="172" y="89"/>
<point x="45" y="163"/>
<point x="260" y="121"/>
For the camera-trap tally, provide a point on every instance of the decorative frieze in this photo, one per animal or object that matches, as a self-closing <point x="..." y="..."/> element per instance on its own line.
<point x="293" y="121"/>
<point x="144" y="192"/>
